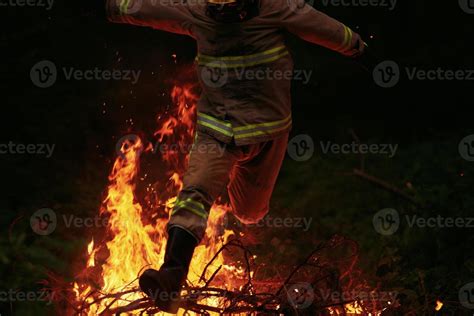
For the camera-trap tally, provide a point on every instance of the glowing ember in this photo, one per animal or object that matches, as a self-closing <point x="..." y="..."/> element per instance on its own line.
<point x="439" y="305"/>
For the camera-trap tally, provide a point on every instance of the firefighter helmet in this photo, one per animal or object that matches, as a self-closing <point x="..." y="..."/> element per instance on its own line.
<point x="232" y="11"/>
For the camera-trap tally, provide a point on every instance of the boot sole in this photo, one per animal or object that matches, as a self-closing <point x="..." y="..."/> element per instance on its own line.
<point x="151" y="287"/>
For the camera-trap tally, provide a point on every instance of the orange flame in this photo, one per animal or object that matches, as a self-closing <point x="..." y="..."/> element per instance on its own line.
<point x="134" y="245"/>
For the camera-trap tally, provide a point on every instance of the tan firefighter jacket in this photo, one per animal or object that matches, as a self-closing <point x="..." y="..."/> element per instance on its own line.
<point x="244" y="68"/>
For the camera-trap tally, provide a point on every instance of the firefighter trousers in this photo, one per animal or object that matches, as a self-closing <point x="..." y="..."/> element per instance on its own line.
<point x="246" y="175"/>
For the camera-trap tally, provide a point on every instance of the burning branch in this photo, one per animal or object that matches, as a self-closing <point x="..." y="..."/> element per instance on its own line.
<point x="247" y="300"/>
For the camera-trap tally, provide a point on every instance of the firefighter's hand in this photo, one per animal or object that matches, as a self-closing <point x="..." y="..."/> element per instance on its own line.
<point x="358" y="46"/>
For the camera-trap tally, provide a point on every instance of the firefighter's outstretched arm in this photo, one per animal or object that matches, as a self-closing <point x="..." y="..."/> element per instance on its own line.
<point x="168" y="16"/>
<point x="316" y="27"/>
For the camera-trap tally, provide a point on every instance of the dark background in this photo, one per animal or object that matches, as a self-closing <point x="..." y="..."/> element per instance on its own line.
<point x="84" y="119"/>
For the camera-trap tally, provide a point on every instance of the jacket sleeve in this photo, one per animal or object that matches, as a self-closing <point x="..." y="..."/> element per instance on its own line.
<point x="303" y="20"/>
<point x="167" y="15"/>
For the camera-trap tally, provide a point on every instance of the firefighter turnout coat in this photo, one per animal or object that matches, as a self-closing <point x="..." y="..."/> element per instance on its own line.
<point x="242" y="67"/>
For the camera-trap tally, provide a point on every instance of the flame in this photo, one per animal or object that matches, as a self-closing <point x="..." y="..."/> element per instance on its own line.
<point x="353" y="309"/>
<point x="91" y="253"/>
<point x="135" y="246"/>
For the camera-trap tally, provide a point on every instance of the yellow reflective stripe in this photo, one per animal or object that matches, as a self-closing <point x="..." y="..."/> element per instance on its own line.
<point x="196" y="204"/>
<point x="192" y="206"/>
<point x="217" y="64"/>
<point x="347" y="39"/>
<point x="269" y="124"/>
<point x="124" y="6"/>
<point x="215" y="126"/>
<point x="247" y="130"/>
<point x="220" y="130"/>
<point x="231" y="58"/>
<point x="191" y="201"/>
<point x="214" y="119"/>
<point x="259" y="133"/>
<point x="344" y="42"/>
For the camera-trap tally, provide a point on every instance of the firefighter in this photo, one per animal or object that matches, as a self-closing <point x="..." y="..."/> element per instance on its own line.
<point x="243" y="122"/>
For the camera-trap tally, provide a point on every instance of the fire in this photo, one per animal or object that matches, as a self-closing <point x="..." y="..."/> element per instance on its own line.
<point x="91" y="253"/>
<point x="134" y="245"/>
<point x="135" y="238"/>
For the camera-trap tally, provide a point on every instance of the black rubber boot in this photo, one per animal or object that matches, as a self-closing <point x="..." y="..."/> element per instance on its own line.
<point x="164" y="286"/>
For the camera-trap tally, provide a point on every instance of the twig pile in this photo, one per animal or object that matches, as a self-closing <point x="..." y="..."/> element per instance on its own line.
<point x="301" y="293"/>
